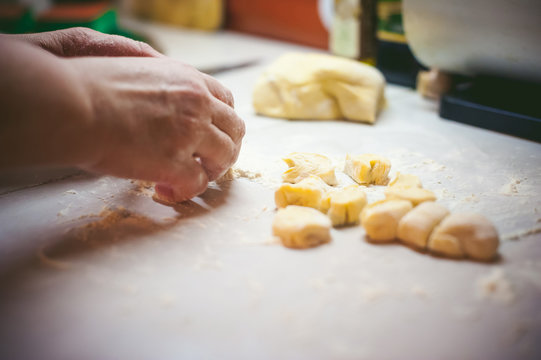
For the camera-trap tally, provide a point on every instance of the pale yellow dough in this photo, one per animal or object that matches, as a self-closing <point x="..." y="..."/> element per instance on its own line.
<point x="319" y="86"/>
<point x="308" y="192"/>
<point x="415" y="227"/>
<point x="380" y="219"/>
<point x="301" y="227"/>
<point x="408" y="187"/>
<point x="415" y="195"/>
<point x="465" y="235"/>
<point x="405" y="181"/>
<point x="368" y="169"/>
<point x="343" y="206"/>
<point x="301" y="165"/>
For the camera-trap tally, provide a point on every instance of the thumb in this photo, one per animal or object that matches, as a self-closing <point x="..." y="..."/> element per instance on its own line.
<point x="186" y="183"/>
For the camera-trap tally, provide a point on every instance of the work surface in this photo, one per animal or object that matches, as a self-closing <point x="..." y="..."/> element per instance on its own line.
<point x="92" y="268"/>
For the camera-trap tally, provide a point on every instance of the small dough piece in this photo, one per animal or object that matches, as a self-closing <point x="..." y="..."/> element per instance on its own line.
<point x="319" y="86"/>
<point x="413" y="194"/>
<point x="368" y="169"/>
<point x="343" y="206"/>
<point x="465" y="234"/>
<point x="303" y="164"/>
<point x="301" y="227"/>
<point x="408" y="187"/>
<point x="415" y="227"/>
<point x="380" y="219"/>
<point x="308" y="192"/>
<point x="405" y="181"/>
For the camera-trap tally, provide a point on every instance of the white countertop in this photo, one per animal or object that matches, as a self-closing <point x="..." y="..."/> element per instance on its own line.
<point x="205" y="279"/>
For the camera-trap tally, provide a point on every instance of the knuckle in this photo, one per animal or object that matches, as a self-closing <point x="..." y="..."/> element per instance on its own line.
<point x="144" y="48"/>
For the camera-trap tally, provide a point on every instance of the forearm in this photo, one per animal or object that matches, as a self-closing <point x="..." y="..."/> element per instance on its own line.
<point x="46" y="116"/>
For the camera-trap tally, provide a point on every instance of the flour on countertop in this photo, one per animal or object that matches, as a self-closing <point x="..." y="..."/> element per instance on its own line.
<point x="522" y="234"/>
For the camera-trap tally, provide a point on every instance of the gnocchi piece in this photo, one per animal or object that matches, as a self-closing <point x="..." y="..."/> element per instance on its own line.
<point x="380" y="219"/>
<point x="308" y="192"/>
<point x="368" y="169"/>
<point x="413" y="194"/>
<point x="301" y="165"/>
<point x="405" y="181"/>
<point x="343" y="206"/>
<point x="300" y="227"/>
<point x="415" y="227"/>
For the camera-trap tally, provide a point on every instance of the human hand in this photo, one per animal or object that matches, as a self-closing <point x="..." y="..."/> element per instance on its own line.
<point x="160" y="120"/>
<point x="80" y="41"/>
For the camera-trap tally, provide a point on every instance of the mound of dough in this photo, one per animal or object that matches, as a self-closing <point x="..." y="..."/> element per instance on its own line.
<point x="367" y="169"/>
<point x="343" y="206"/>
<point x="465" y="235"/>
<point x="303" y="164"/>
<point x="380" y="219"/>
<point x="308" y="192"/>
<point x="301" y="227"/>
<point x="319" y="86"/>
<point x="415" y="227"/>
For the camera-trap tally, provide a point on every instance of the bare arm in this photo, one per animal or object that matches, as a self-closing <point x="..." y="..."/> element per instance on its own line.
<point x="45" y="111"/>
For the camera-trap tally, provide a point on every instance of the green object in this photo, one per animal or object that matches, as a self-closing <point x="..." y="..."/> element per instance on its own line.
<point x="105" y="23"/>
<point x="17" y="21"/>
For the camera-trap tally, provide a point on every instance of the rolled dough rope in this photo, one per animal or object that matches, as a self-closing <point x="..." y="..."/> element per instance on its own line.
<point x="465" y="235"/>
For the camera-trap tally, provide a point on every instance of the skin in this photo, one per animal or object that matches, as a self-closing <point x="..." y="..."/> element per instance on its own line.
<point x="112" y="105"/>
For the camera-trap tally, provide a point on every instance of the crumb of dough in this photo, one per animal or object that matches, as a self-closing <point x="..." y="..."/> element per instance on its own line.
<point x="511" y="188"/>
<point x="496" y="286"/>
<point x="235" y="173"/>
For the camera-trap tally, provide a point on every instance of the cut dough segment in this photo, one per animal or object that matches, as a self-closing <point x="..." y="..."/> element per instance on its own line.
<point x="405" y="181"/>
<point x="301" y="227"/>
<point x="368" y="169"/>
<point x="408" y="187"/>
<point x="380" y="219"/>
<point x="308" y="192"/>
<point x="470" y="235"/>
<point x="319" y="86"/>
<point x="343" y="206"/>
<point x="415" y="227"/>
<point x="413" y="194"/>
<point x="303" y="164"/>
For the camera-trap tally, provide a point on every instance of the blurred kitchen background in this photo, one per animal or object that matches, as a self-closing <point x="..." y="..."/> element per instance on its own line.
<point x="367" y="30"/>
<point x="480" y="59"/>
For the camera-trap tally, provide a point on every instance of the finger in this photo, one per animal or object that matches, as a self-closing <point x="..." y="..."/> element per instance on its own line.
<point x="219" y="91"/>
<point x="182" y="183"/>
<point x="217" y="152"/>
<point x="227" y="120"/>
<point x="87" y="42"/>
